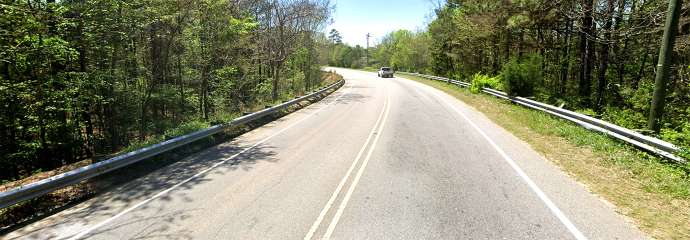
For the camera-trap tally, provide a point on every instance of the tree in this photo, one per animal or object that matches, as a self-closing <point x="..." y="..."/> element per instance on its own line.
<point x="334" y="37"/>
<point x="285" y="22"/>
<point x="81" y="79"/>
<point x="404" y="50"/>
<point x="604" y="54"/>
<point x="586" y="50"/>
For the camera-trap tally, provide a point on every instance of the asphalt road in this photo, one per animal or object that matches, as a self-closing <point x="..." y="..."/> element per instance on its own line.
<point x="378" y="159"/>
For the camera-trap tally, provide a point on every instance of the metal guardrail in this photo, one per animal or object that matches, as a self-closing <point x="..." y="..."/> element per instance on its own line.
<point x="42" y="187"/>
<point x="653" y="145"/>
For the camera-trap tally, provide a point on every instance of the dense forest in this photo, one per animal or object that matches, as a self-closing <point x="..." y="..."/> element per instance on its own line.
<point x="595" y="57"/>
<point x="83" y="79"/>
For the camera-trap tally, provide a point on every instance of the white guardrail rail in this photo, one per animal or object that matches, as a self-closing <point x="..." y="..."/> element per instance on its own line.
<point x="42" y="187"/>
<point x="647" y="143"/>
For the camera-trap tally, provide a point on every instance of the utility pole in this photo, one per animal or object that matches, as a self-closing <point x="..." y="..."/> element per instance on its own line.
<point x="366" y="51"/>
<point x="663" y="66"/>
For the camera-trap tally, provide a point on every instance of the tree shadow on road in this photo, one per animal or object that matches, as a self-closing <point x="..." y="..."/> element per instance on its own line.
<point x="123" y="189"/>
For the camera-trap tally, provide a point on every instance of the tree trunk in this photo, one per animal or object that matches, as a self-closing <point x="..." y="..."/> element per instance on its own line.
<point x="204" y="94"/>
<point x="521" y="40"/>
<point x="619" y="52"/>
<point x="86" y="116"/>
<point x="496" y="57"/>
<point x="276" y="81"/>
<point x="604" y="56"/>
<point x="640" y="72"/>
<point x="586" y="51"/>
<point x="565" y="64"/>
<point x="508" y="44"/>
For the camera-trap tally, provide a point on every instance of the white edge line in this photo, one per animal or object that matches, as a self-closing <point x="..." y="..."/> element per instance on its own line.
<point x="346" y="199"/>
<point x="338" y="189"/>
<point x="533" y="186"/>
<point x="104" y="222"/>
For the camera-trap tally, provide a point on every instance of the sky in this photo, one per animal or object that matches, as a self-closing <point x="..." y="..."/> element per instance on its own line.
<point x="355" y="18"/>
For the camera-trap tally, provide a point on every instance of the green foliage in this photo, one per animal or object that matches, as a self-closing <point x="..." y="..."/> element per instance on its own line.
<point x="342" y="55"/>
<point x="334" y="37"/>
<point x="480" y="81"/>
<point x="639" y="98"/>
<point x="517" y="21"/>
<point x="520" y="76"/>
<point x="185" y="128"/>
<point x="225" y="85"/>
<point x="680" y="136"/>
<point x="627" y="118"/>
<point x="403" y="50"/>
<point x="81" y="79"/>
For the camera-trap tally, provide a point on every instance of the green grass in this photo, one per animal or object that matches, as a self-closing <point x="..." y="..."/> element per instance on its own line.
<point x="646" y="188"/>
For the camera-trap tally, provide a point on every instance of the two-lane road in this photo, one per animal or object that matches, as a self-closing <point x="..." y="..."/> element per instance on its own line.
<point x="378" y="159"/>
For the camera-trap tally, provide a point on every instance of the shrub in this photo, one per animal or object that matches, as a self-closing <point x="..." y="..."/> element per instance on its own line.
<point x="519" y="76"/>
<point x="480" y="81"/>
<point x="357" y="64"/>
<point x="627" y="118"/>
<point x="680" y="136"/>
<point x="186" y="128"/>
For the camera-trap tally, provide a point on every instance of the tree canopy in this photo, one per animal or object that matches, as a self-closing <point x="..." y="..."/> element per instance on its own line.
<point x="82" y="79"/>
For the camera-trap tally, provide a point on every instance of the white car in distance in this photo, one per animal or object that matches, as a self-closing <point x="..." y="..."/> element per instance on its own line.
<point x="385" y="72"/>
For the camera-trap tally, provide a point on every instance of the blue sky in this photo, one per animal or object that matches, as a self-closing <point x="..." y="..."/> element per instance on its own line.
<point x="354" y="18"/>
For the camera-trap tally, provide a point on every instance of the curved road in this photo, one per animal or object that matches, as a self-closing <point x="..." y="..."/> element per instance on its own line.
<point x="378" y="159"/>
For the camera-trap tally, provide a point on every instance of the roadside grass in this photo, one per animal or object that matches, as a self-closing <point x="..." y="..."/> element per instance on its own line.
<point x="654" y="193"/>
